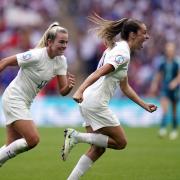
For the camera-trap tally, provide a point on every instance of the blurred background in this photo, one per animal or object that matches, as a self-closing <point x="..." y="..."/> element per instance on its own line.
<point x="23" y="22"/>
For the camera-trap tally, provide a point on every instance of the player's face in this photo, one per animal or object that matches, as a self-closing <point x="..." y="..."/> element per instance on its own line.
<point x="170" y="50"/>
<point x="141" y="37"/>
<point x="59" y="45"/>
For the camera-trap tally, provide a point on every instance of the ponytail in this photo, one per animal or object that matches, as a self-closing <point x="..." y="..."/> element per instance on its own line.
<point x="107" y="29"/>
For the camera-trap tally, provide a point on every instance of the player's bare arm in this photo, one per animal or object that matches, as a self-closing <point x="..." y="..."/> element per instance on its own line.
<point x="155" y="84"/>
<point x="9" y="61"/>
<point x="106" y="69"/>
<point x="65" y="83"/>
<point x="131" y="94"/>
<point x="175" y="82"/>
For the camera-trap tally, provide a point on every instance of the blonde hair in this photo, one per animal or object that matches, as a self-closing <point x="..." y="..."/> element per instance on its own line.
<point x="108" y="29"/>
<point x="50" y="34"/>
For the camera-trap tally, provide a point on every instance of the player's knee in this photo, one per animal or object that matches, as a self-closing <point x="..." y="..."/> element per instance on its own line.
<point x="121" y="144"/>
<point x="33" y="141"/>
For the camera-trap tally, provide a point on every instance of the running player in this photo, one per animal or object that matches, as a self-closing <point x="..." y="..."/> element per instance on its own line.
<point x="37" y="67"/>
<point x="103" y="127"/>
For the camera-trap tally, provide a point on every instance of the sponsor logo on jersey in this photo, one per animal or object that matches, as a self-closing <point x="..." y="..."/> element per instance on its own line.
<point x="27" y="56"/>
<point x="119" y="59"/>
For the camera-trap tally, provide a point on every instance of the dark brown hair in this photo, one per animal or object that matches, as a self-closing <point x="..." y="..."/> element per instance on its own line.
<point x="109" y="29"/>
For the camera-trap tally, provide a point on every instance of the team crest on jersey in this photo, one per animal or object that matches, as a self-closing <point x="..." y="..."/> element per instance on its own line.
<point x="119" y="59"/>
<point x="27" y="56"/>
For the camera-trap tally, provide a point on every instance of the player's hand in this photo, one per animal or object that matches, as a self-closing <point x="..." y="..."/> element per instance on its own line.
<point x="151" y="108"/>
<point x="78" y="97"/>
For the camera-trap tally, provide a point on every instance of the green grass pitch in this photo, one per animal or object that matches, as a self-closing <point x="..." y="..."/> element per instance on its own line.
<point x="146" y="158"/>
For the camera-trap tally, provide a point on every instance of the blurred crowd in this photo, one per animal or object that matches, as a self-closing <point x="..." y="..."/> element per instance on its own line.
<point x="23" y="22"/>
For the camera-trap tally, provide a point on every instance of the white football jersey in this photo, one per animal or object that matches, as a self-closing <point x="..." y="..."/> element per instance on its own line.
<point x="99" y="94"/>
<point x="36" y="69"/>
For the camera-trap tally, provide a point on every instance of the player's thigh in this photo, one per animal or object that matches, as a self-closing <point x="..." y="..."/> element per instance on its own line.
<point x="117" y="133"/>
<point x="27" y="129"/>
<point x="12" y="134"/>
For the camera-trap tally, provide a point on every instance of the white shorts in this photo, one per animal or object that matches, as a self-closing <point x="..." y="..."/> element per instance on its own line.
<point x="15" y="110"/>
<point x="99" y="119"/>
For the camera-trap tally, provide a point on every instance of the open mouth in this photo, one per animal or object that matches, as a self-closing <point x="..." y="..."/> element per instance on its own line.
<point x="142" y="45"/>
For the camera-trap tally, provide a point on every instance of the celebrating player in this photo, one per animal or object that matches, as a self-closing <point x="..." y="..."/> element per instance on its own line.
<point x="103" y="127"/>
<point x="37" y="67"/>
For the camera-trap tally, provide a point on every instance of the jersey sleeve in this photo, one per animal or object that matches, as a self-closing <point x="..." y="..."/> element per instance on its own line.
<point x="27" y="58"/>
<point x="61" y="67"/>
<point x="117" y="58"/>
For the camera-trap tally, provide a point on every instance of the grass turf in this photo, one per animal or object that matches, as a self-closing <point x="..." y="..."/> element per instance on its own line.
<point x="146" y="158"/>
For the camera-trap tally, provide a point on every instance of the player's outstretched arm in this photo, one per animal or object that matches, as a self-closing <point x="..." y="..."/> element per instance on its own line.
<point x="9" y="61"/>
<point x="92" y="78"/>
<point x="131" y="94"/>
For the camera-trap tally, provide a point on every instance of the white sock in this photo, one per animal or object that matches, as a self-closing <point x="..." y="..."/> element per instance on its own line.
<point x="92" y="138"/>
<point x="12" y="150"/>
<point x="81" y="167"/>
